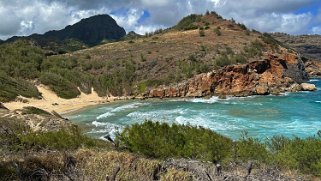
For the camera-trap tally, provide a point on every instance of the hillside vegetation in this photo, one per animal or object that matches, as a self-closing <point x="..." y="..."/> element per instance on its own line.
<point x="131" y="67"/>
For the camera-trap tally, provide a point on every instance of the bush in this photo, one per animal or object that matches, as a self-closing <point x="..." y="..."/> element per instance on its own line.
<point x="201" y="33"/>
<point x="34" y="110"/>
<point x="66" y="139"/>
<point x="10" y="88"/>
<point x="160" y="140"/>
<point x="187" y="23"/>
<point x="62" y="87"/>
<point x="217" y="31"/>
<point x="253" y="50"/>
<point x="298" y="154"/>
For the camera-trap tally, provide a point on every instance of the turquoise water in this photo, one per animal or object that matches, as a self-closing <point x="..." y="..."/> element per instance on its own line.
<point x="291" y="114"/>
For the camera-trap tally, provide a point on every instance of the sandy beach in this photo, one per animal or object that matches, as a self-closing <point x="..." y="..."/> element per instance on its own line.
<point x="51" y="102"/>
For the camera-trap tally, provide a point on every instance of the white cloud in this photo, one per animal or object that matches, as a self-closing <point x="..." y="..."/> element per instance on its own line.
<point x="24" y="17"/>
<point x="316" y="30"/>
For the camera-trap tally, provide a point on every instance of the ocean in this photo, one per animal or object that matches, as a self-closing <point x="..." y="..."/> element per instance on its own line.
<point x="290" y="114"/>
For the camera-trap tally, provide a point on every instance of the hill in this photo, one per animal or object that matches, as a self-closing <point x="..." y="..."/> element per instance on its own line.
<point x="87" y="32"/>
<point x="241" y="62"/>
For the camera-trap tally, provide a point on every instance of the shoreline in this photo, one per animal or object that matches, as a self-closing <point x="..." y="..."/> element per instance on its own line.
<point x="51" y="102"/>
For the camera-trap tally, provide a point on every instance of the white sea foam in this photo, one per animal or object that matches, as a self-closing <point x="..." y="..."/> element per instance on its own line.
<point x="112" y="111"/>
<point x="160" y="115"/>
<point x="129" y="106"/>
<point x="107" y="128"/>
<point x="105" y="115"/>
<point x="318" y="101"/>
<point x="202" y="100"/>
<point x="314" y="80"/>
<point x="97" y="124"/>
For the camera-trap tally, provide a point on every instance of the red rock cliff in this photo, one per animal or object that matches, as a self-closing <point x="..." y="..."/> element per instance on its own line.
<point x="273" y="75"/>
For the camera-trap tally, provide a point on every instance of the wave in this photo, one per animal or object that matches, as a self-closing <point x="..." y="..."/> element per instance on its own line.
<point x="211" y="100"/>
<point x="317" y="101"/>
<point x="106" y="129"/>
<point x="111" y="111"/>
<point x="314" y="80"/>
<point x="129" y="106"/>
<point x="105" y="115"/>
<point x="160" y="115"/>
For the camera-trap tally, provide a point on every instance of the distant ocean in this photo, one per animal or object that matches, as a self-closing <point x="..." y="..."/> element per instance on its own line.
<point x="291" y="114"/>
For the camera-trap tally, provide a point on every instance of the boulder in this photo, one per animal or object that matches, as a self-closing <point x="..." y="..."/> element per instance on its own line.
<point x="295" y="87"/>
<point x="262" y="90"/>
<point x="308" y="87"/>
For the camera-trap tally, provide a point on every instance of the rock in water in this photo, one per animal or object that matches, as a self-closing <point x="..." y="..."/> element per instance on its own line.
<point x="262" y="90"/>
<point x="308" y="87"/>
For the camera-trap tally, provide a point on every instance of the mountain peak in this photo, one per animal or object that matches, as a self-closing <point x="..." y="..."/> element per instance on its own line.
<point x="91" y="31"/>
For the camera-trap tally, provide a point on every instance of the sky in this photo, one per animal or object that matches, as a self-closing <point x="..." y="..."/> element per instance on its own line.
<point x="25" y="17"/>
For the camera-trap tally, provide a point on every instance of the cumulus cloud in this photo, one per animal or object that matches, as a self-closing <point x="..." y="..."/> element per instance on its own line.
<point x="24" y="17"/>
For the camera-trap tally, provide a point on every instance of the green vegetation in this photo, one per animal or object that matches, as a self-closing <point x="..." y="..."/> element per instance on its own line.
<point x="254" y="49"/>
<point x="228" y="57"/>
<point x="217" y="31"/>
<point x="65" y="139"/>
<point x="19" y="137"/>
<point x="187" y="23"/>
<point x="10" y="88"/>
<point x="160" y="140"/>
<point x="201" y="33"/>
<point x="268" y="39"/>
<point x="34" y="110"/>
<point x="63" y="88"/>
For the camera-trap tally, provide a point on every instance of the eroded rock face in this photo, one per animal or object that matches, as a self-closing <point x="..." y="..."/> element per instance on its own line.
<point x="273" y="75"/>
<point x="313" y="68"/>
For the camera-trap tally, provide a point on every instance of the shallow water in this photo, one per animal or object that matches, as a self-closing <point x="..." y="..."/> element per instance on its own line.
<point x="292" y="114"/>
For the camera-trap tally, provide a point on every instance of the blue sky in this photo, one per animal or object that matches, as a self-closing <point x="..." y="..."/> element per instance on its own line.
<point x="25" y="17"/>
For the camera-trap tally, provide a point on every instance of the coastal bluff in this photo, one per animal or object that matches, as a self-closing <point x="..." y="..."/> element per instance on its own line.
<point x="273" y="75"/>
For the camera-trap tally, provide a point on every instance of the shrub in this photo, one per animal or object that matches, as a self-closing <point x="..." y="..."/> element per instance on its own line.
<point x="62" y="87"/>
<point x="217" y="31"/>
<point x="161" y="140"/>
<point x="34" y="110"/>
<point x="66" y="139"/>
<point x="201" y="33"/>
<point x="298" y="154"/>
<point x="10" y="88"/>
<point x="187" y="22"/>
<point x="253" y="50"/>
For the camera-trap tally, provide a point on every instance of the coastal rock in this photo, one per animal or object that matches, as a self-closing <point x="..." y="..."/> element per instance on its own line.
<point x="262" y="90"/>
<point x="273" y="75"/>
<point x="313" y="68"/>
<point x="308" y="87"/>
<point x="295" y="88"/>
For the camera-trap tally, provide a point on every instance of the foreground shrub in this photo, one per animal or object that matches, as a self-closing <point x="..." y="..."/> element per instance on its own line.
<point x="66" y="139"/>
<point x="298" y="154"/>
<point x="161" y="140"/>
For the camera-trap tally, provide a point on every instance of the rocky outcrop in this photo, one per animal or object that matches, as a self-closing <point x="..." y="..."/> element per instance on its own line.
<point x="308" y="87"/>
<point x="313" y="68"/>
<point x="273" y="75"/>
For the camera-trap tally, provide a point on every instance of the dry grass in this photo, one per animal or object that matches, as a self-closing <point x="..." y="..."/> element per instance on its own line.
<point x="97" y="165"/>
